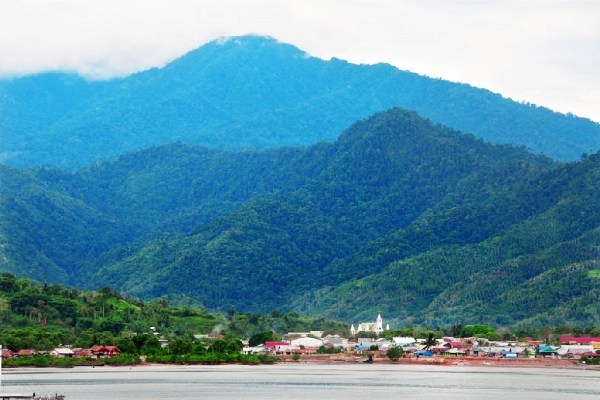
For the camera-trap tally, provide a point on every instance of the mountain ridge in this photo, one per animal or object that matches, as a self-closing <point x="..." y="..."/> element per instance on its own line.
<point x="256" y="94"/>
<point x="398" y="214"/>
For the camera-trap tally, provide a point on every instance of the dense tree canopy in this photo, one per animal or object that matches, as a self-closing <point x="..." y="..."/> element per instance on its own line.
<point x="399" y="216"/>
<point x="254" y="92"/>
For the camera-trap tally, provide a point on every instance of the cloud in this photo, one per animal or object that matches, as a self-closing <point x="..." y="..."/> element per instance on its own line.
<point x="542" y="52"/>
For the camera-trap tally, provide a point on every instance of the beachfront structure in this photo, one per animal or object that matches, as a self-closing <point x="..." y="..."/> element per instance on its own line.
<point x="62" y="352"/>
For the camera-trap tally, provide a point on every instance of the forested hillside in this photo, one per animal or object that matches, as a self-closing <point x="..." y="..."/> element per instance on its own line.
<point x="42" y="316"/>
<point x="254" y="92"/>
<point x="398" y="216"/>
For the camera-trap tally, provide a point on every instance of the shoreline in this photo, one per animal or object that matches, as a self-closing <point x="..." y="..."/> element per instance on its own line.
<point x="332" y="360"/>
<point x="447" y="362"/>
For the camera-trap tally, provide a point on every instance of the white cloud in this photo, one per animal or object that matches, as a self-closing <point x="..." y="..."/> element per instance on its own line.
<point x="545" y="52"/>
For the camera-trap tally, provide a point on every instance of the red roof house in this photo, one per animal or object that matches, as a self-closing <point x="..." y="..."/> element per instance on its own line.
<point x="105" y="351"/>
<point x="26" y="353"/>
<point x="579" y="340"/>
<point x="7" y="353"/>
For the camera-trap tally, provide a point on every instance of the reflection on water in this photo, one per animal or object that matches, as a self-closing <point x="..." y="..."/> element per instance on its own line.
<point x="307" y="381"/>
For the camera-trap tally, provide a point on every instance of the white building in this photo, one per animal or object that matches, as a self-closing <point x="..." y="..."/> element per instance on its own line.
<point x="307" y="342"/>
<point x="404" y="341"/>
<point x="376" y="327"/>
<point x="62" y="352"/>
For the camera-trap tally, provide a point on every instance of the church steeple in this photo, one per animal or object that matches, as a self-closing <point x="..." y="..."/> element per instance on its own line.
<point x="379" y="324"/>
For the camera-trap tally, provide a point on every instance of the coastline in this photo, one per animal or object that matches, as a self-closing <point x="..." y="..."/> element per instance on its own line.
<point x="299" y="381"/>
<point x="445" y="362"/>
<point x="349" y="360"/>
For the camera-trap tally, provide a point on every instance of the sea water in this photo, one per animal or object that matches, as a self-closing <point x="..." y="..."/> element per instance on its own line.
<point x="307" y="381"/>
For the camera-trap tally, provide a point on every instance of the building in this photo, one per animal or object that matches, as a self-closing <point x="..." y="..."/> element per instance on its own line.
<point x="306" y="343"/>
<point x="105" y="351"/>
<point x="26" y="353"/>
<point x="62" y="352"/>
<point x="7" y="353"/>
<point x="404" y="341"/>
<point x="280" y="347"/>
<point x="587" y="340"/>
<point x="375" y="327"/>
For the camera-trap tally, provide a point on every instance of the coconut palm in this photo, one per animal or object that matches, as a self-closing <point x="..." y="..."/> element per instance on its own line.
<point x="430" y="342"/>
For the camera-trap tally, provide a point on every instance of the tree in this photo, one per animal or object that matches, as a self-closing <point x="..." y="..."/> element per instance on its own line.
<point x="260" y="338"/>
<point x="126" y="345"/>
<point x="430" y="341"/>
<point x="180" y="346"/>
<point x="478" y="331"/>
<point x="151" y="345"/>
<point x="226" y="346"/>
<point x="394" y="353"/>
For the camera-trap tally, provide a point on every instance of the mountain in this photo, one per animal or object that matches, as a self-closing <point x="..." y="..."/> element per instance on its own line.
<point x="44" y="232"/>
<point x="253" y="92"/>
<point x="398" y="215"/>
<point x="403" y="214"/>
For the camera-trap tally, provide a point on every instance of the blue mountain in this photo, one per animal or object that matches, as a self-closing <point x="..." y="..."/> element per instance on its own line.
<point x="254" y="92"/>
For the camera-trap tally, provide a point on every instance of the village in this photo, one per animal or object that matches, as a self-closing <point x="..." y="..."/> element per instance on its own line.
<point x="315" y="346"/>
<point x="312" y="345"/>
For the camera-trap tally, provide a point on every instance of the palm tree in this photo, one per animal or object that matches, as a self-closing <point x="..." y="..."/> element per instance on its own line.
<point x="430" y="342"/>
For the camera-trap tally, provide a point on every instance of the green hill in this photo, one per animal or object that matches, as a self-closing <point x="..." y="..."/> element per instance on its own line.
<point x="42" y="316"/>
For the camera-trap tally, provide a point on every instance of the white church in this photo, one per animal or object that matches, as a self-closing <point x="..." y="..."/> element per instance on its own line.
<point x="376" y="327"/>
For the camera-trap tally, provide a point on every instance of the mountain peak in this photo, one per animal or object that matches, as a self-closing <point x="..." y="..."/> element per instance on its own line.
<point x="252" y="46"/>
<point x="254" y="92"/>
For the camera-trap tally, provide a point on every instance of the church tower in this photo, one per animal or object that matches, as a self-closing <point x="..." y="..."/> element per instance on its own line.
<point x="379" y="324"/>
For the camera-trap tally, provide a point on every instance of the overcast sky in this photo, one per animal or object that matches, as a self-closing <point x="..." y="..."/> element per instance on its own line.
<point x="545" y="52"/>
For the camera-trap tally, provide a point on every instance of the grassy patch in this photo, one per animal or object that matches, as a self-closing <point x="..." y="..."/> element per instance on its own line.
<point x="594" y="273"/>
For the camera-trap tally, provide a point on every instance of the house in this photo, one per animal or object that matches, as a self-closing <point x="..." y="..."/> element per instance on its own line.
<point x="112" y="351"/>
<point x="7" y="353"/>
<point x="62" y="352"/>
<point x="26" y="353"/>
<point x="260" y="349"/>
<point x="79" y="352"/>
<point x="587" y="340"/>
<point x="545" y="350"/>
<point x="454" y="352"/>
<point x="509" y="354"/>
<point x="279" y="347"/>
<point x="334" y="340"/>
<point x="105" y="351"/>
<point x="404" y="341"/>
<point x="423" y="353"/>
<point x="317" y="334"/>
<point x="307" y="343"/>
<point x="574" y="351"/>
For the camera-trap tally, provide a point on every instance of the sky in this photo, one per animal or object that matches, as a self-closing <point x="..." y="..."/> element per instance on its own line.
<point x="545" y="52"/>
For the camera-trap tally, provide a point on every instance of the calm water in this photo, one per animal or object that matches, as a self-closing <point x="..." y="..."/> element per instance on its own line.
<point x="306" y="381"/>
